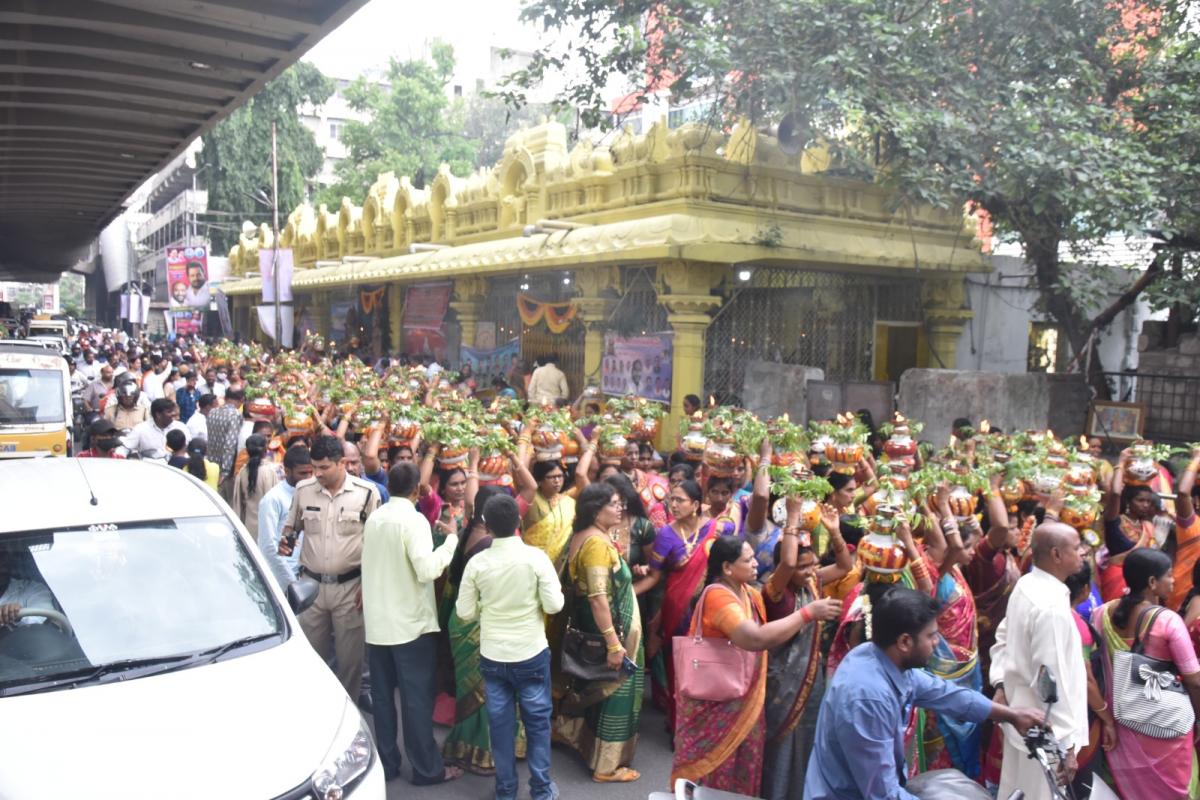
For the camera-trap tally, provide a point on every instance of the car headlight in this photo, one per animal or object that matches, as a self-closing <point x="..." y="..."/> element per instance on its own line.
<point x="348" y="759"/>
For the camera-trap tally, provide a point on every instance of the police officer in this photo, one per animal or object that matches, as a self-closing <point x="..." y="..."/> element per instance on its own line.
<point x="331" y="508"/>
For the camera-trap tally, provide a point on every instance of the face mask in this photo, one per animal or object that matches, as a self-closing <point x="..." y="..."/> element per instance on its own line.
<point x="220" y="376"/>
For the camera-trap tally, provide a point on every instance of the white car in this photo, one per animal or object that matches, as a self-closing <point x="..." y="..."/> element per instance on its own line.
<point x="155" y="656"/>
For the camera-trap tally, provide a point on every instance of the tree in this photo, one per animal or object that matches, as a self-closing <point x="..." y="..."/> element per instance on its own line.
<point x="488" y="121"/>
<point x="1062" y="119"/>
<point x="239" y="150"/>
<point x="413" y="128"/>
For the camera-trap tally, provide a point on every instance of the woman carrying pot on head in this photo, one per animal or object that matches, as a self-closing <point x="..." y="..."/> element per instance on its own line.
<point x="444" y="494"/>
<point x="1129" y="512"/>
<point x="680" y="553"/>
<point x="550" y="510"/>
<point x="795" y="669"/>
<point x="1146" y="767"/>
<point x="720" y="743"/>
<point x="599" y="718"/>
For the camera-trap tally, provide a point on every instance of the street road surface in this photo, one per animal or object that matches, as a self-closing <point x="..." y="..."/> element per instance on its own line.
<point x="573" y="777"/>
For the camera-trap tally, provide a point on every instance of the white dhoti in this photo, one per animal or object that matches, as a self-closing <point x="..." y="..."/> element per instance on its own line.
<point x="1019" y="771"/>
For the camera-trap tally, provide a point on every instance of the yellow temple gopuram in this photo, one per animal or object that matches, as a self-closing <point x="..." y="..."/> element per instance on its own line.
<point x="744" y="252"/>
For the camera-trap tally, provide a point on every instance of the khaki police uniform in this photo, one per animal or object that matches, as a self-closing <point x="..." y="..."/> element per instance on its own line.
<point x="332" y="554"/>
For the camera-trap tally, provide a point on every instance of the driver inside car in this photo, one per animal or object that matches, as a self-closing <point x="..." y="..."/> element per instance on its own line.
<point x="19" y="593"/>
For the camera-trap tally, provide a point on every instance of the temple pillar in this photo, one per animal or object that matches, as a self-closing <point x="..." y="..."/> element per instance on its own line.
<point x="598" y="287"/>
<point x="396" y="317"/>
<point x="324" y="316"/>
<point x="946" y="314"/>
<point x="467" y="302"/>
<point x="685" y="289"/>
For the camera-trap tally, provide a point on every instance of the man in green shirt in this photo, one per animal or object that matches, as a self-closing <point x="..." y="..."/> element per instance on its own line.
<point x="399" y="566"/>
<point x="510" y="587"/>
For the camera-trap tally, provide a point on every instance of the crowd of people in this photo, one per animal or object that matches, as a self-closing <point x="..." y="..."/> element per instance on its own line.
<point x="534" y="573"/>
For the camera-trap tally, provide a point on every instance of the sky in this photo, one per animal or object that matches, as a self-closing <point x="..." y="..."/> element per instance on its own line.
<point x="384" y="28"/>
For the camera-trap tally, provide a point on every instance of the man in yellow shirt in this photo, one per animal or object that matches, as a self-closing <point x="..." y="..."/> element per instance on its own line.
<point x="399" y="566"/>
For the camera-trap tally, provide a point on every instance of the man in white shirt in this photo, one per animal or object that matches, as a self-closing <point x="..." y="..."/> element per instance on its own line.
<point x="273" y="511"/>
<point x="197" y="424"/>
<point x="152" y="383"/>
<point x="148" y="439"/>
<point x="548" y="384"/>
<point x="1039" y="630"/>
<point x="399" y="566"/>
<point x="510" y="587"/>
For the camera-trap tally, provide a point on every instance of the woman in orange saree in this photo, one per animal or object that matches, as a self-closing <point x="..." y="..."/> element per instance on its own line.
<point x="680" y="552"/>
<point x="719" y="744"/>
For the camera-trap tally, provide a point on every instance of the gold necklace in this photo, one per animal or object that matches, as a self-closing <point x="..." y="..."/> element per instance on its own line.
<point x="689" y="542"/>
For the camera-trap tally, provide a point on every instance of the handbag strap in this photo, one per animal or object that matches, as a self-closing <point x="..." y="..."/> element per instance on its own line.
<point x="698" y="614"/>
<point x="1141" y="631"/>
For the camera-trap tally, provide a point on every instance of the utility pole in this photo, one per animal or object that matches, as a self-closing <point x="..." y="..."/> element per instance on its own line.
<point x="275" y="234"/>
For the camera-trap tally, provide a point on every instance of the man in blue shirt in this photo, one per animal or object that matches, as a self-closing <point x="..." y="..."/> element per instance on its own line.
<point x="859" y="749"/>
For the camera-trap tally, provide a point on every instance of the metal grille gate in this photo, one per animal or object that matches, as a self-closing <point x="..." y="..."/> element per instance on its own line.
<point x="820" y="319"/>
<point x="1172" y="403"/>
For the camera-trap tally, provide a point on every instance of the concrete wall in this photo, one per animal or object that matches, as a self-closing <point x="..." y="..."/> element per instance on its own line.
<point x="1009" y="401"/>
<point x="997" y="339"/>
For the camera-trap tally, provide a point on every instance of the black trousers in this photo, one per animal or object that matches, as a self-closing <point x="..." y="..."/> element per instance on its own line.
<point x="411" y="668"/>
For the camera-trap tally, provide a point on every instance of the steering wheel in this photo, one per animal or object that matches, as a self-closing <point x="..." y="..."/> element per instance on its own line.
<point x="56" y="617"/>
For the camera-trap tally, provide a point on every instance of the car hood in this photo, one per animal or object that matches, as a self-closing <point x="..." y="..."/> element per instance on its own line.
<point x="255" y="725"/>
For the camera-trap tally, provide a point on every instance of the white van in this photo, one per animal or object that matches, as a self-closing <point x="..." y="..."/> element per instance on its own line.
<point x="155" y="657"/>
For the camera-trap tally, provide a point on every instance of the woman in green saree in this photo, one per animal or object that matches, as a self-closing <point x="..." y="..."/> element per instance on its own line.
<point x="599" y="719"/>
<point x="469" y="743"/>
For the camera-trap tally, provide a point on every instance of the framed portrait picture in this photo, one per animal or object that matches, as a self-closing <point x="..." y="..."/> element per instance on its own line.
<point x="1119" y="422"/>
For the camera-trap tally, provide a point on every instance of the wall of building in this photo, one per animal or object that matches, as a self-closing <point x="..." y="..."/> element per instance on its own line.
<point x="1011" y="402"/>
<point x="1005" y="304"/>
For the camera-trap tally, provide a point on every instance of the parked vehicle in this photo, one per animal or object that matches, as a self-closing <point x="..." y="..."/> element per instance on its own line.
<point x="156" y="653"/>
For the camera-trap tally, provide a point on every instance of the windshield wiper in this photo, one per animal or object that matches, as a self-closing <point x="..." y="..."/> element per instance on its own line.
<point x="87" y="675"/>
<point x="215" y="653"/>
<point x="145" y="666"/>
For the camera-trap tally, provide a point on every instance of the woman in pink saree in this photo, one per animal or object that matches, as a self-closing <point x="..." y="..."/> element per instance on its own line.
<point x="1145" y="768"/>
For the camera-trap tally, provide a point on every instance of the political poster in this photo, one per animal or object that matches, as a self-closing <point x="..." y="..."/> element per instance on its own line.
<point x="187" y="322"/>
<point x="637" y="365"/>
<point x="187" y="277"/>
<point x="425" y="307"/>
<point x="490" y="363"/>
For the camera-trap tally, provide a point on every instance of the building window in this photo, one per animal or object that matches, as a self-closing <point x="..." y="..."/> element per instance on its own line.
<point x="335" y="130"/>
<point x="1047" y="348"/>
<point x="457" y="90"/>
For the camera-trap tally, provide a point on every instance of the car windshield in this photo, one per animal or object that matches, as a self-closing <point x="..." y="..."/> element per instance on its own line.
<point x="29" y="396"/>
<point x="162" y="592"/>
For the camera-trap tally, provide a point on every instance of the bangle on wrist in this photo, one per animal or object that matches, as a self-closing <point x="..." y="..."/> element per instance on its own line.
<point x="615" y="648"/>
<point x="806" y="615"/>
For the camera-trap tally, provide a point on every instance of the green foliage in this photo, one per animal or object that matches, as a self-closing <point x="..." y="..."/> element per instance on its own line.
<point x="413" y="128"/>
<point x="239" y="150"/>
<point x="488" y="121"/>
<point x="1066" y="120"/>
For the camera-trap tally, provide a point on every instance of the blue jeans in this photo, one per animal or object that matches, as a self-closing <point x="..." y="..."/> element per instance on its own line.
<point x="525" y="684"/>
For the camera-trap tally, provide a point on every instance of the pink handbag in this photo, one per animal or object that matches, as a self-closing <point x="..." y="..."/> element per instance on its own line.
<point x="713" y="669"/>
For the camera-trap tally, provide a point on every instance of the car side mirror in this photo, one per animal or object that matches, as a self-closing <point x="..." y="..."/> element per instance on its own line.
<point x="301" y="594"/>
<point x="1047" y="687"/>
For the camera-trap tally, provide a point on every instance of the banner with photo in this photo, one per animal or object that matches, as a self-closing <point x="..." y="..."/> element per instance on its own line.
<point x="638" y="365"/>
<point x="490" y="363"/>
<point x="187" y="277"/>
<point x="425" y="306"/>
<point x="340" y="318"/>
<point x="187" y="323"/>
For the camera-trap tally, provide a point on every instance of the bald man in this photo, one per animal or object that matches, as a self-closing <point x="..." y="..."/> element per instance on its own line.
<point x="352" y="461"/>
<point x="1040" y="630"/>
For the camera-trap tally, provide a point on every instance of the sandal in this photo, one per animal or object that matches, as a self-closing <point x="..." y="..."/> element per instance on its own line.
<point x="622" y="775"/>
